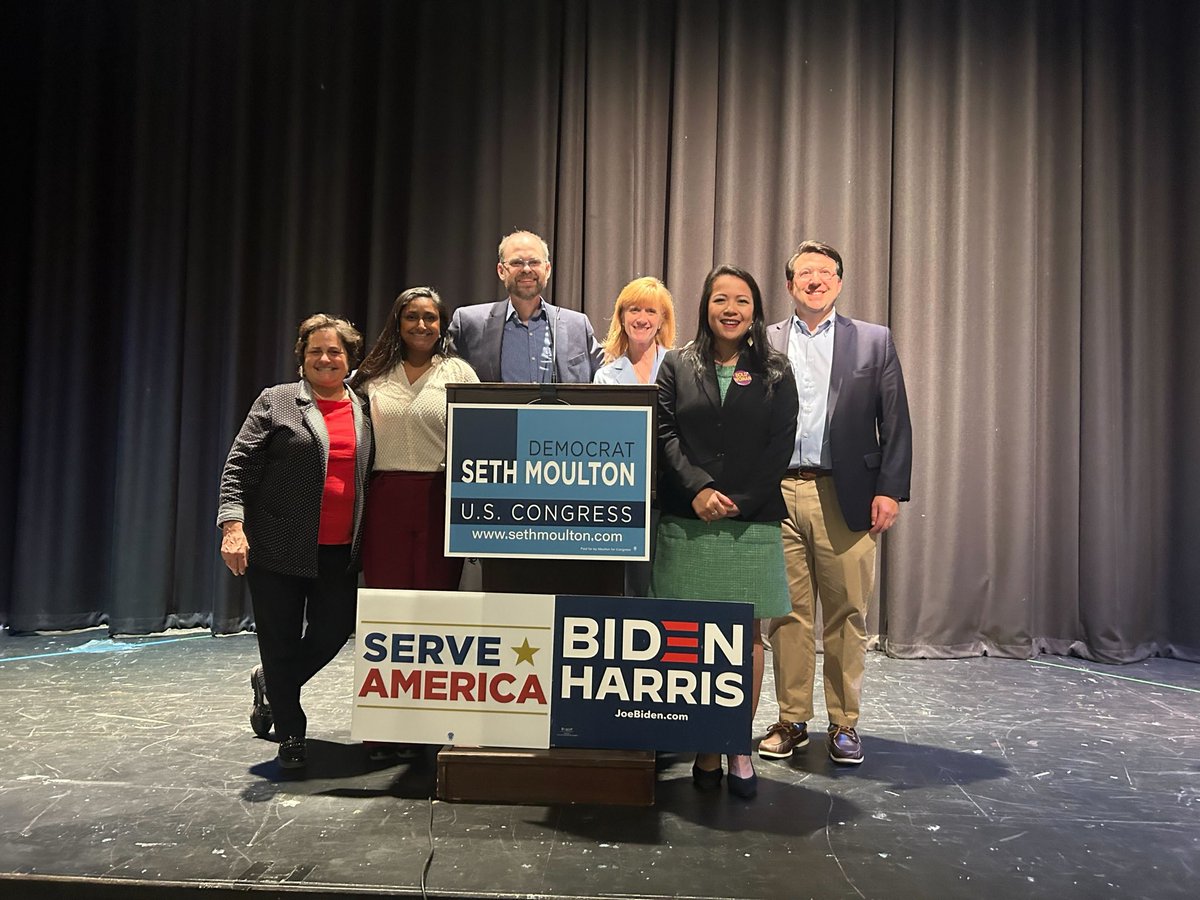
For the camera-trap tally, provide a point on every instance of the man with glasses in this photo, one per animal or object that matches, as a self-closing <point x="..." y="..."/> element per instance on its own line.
<point x="523" y="338"/>
<point x="849" y="472"/>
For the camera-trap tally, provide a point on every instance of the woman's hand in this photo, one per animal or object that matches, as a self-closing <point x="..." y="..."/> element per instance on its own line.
<point x="235" y="549"/>
<point x="710" y="505"/>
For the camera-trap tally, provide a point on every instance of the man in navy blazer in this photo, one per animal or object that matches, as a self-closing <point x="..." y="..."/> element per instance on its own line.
<point x="524" y="338"/>
<point x="849" y="471"/>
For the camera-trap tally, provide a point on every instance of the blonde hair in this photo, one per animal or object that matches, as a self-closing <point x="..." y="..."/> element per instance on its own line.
<point x="641" y="292"/>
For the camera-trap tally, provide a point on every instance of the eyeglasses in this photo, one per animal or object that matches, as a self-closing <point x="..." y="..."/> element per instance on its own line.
<point x="809" y="274"/>
<point x="516" y="265"/>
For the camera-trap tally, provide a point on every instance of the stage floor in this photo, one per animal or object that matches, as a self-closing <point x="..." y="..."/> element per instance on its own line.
<point x="128" y="769"/>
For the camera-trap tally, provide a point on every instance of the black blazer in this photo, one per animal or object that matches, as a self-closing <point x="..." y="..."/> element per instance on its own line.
<point x="870" y="435"/>
<point x="274" y="478"/>
<point x="741" y="448"/>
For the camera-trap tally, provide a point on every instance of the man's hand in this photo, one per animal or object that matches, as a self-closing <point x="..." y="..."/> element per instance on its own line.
<point x="884" y="512"/>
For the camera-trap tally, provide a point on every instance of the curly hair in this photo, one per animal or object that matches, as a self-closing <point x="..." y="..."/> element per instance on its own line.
<point x="352" y="340"/>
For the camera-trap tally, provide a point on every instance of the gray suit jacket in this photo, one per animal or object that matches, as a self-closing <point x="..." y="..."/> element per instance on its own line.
<point x="870" y="435"/>
<point x="275" y="476"/>
<point x="476" y="332"/>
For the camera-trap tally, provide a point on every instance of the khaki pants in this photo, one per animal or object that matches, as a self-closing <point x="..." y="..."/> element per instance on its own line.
<point x="824" y="559"/>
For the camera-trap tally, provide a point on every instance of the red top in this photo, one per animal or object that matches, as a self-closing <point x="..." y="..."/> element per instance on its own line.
<point x="337" y="501"/>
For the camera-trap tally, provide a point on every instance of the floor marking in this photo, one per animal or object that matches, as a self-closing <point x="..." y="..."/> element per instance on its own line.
<point x="1175" y="687"/>
<point x="102" y="646"/>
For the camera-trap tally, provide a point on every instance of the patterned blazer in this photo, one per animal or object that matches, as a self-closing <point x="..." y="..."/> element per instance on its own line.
<point x="275" y="476"/>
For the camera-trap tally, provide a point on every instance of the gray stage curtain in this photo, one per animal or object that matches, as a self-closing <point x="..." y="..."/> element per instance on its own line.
<point x="1013" y="186"/>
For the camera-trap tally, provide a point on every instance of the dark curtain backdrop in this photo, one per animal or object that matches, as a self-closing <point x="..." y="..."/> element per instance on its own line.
<point x="1014" y="186"/>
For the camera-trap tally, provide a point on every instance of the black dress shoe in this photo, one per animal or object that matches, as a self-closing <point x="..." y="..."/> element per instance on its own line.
<point x="707" y="779"/>
<point x="261" y="719"/>
<point x="746" y="788"/>
<point x="292" y="753"/>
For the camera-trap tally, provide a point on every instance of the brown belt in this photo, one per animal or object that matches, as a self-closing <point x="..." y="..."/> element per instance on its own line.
<point x="808" y="473"/>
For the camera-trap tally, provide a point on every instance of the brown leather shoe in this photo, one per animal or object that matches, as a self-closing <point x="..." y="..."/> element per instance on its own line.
<point x="782" y="738"/>
<point x="845" y="747"/>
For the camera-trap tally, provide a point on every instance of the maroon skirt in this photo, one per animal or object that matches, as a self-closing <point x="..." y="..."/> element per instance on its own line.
<point x="403" y="533"/>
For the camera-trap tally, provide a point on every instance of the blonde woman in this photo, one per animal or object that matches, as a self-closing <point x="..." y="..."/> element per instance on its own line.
<point x="641" y="332"/>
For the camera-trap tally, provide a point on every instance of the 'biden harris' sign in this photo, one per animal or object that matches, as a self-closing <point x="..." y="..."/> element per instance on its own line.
<point x="537" y="671"/>
<point x="548" y="482"/>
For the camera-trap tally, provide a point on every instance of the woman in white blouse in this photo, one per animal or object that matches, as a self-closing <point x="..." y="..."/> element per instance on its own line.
<point x="405" y="376"/>
<point x="641" y="332"/>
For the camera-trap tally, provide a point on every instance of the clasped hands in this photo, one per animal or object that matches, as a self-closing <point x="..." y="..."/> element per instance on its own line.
<point x="710" y="505"/>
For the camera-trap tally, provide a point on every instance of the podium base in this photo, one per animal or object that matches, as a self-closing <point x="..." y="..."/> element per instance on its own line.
<point x="546" y="777"/>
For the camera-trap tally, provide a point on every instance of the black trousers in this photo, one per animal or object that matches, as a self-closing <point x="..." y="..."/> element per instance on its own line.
<point x="291" y="651"/>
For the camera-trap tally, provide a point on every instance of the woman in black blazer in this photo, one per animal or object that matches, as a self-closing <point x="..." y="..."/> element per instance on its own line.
<point x="727" y="409"/>
<point x="290" y="517"/>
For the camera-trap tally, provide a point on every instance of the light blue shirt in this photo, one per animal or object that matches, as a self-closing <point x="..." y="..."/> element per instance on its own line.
<point x="527" y="348"/>
<point x="811" y="356"/>
<point x="620" y="370"/>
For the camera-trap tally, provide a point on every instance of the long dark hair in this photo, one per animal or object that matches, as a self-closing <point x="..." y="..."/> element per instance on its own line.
<point x="389" y="348"/>
<point x="699" y="352"/>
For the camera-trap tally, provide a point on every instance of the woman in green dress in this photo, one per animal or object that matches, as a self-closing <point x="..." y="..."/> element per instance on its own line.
<point x="727" y="409"/>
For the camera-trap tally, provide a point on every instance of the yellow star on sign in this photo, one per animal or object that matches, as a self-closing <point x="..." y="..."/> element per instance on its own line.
<point x="524" y="652"/>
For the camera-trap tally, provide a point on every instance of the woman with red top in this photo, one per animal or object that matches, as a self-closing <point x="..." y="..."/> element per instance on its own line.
<point x="292" y="497"/>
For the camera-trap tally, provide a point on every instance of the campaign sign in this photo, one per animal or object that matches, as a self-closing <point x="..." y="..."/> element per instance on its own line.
<point x="548" y="482"/>
<point x="450" y="667"/>
<point x="638" y="674"/>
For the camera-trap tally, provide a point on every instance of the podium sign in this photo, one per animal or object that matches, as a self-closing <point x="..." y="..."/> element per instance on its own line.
<point x="548" y="482"/>
<point x="538" y="671"/>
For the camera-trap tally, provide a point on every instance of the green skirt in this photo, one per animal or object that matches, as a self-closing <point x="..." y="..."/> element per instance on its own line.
<point x="724" y="560"/>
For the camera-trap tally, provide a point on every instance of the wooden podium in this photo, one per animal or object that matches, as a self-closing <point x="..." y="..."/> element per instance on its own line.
<point x="547" y="777"/>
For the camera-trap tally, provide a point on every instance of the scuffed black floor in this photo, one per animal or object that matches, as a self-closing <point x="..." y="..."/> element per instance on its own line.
<point x="130" y="766"/>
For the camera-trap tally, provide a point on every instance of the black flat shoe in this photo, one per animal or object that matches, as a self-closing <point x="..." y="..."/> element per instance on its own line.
<point x="746" y="788"/>
<point x="261" y="719"/>
<point x="380" y="751"/>
<point x="293" y="754"/>
<point x="707" y="779"/>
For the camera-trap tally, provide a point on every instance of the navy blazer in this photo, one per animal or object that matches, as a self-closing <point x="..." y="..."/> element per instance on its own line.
<point x="870" y="435"/>
<point x="476" y="332"/>
<point x="740" y="447"/>
<point x="274" y="478"/>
